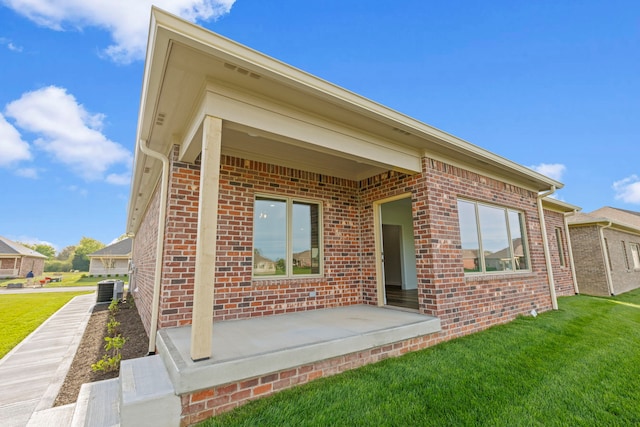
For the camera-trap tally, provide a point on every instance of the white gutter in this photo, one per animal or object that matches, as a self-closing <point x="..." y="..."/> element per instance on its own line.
<point x="164" y="189"/>
<point x="570" y="248"/>
<point x="545" y="247"/>
<point x="607" y="261"/>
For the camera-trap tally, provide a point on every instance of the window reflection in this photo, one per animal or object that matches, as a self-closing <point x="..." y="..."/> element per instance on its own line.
<point x="493" y="238"/>
<point x="469" y="235"/>
<point x="286" y="237"/>
<point x="269" y="237"/>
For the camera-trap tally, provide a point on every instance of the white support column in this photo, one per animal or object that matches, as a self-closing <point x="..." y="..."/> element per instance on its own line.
<point x="202" y="317"/>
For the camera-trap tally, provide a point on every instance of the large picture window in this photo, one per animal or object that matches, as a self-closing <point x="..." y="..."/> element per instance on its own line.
<point x="286" y="237"/>
<point x="493" y="238"/>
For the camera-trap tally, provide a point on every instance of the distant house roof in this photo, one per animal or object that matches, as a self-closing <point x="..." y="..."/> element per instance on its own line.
<point x="559" y="205"/>
<point x="9" y="247"/>
<point x="618" y="218"/>
<point x="121" y="248"/>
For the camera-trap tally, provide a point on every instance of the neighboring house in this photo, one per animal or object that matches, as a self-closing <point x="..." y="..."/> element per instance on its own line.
<point x="262" y="265"/>
<point x="606" y="249"/>
<point x="111" y="260"/>
<point x="240" y="154"/>
<point x="17" y="260"/>
<point x="556" y="214"/>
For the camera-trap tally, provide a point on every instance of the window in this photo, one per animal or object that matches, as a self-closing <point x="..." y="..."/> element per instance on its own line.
<point x="625" y="255"/>
<point x="560" y="246"/>
<point x="286" y="237"/>
<point x="493" y="238"/>
<point x="635" y="255"/>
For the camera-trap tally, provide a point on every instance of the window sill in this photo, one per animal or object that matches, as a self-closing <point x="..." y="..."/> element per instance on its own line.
<point x="285" y="281"/>
<point x="471" y="277"/>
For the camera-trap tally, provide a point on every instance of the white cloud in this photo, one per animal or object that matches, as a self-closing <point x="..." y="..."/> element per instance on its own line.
<point x="10" y="45"/>
<point x="628" y="189"/>
<point x="68" y="132"/>
<point x="12" y="147"/>
<point x="119" y="178"/>
<point x="27" y="173"/>
<point x="126" y="20"/>
<point x="30" y="240"/>
<point x="75" y="189"/>
<point x="552" y="170"/>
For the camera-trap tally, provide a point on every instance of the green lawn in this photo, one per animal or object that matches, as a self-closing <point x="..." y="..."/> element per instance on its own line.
<point x="21" y="314"/>
<point x="68" y="279"/>
<point x="578" y="366"/>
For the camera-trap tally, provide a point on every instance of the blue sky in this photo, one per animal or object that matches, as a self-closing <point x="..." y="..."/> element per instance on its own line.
<point x="553" y="85"/>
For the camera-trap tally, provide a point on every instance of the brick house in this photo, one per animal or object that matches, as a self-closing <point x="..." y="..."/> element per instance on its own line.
<point x="606" y="249"/>
<point x="17" y="260"/>
<point x="243" y="162"/>
<point x="556" y="217"/>
<point x="112" y="259"/>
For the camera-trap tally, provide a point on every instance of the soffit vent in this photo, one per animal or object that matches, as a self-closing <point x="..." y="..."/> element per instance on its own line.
<point x="160" y="119"/>
<point x="240" y="70"/>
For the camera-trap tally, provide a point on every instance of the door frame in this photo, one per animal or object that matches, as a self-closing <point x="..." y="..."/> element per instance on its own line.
<point x="377" y="233"/>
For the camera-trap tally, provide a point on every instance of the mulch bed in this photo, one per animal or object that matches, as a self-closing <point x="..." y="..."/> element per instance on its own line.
<point x="91" y="348"/>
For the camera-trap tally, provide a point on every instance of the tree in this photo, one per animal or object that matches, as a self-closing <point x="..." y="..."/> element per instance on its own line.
<point x="46" y="250"/>
<point x="86" y="246"/>
<point x="66" y="253"/>
<point x="42" y="248"/>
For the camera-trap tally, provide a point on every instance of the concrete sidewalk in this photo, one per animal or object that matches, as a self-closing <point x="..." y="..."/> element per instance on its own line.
<point x="33" y="372"/>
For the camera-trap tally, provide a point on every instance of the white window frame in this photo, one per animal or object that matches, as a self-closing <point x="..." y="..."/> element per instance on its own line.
<point x="289" y="237"/>
<point x="625" y="255"/>
<point x="481" y="257"/>
<point x="635" y="255"/>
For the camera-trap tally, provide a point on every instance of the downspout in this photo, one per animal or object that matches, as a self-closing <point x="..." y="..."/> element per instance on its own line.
<point x="131" y="286"/>
<point x="164" y="190"/>
<point x="570" y="248"/>
<point x="607" y="261"/>
<point x="545" y="247"/>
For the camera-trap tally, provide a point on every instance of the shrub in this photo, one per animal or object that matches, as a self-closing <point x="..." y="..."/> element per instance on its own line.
<point x="54" y="265"/>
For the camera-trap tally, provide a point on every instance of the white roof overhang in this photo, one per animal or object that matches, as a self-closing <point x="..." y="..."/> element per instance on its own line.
<point x="278" y="114"/>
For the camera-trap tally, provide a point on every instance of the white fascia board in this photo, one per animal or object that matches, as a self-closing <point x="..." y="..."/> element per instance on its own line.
<point x="556" y="205"/>
<point x="616" y="225"/>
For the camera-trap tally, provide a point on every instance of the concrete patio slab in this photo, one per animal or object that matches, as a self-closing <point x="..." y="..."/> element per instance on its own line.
<point x="251" y="347"/>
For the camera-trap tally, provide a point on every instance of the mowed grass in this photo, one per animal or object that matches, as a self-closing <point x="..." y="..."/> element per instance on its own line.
<point x="68" y="280"/>
<point x="577" y="366"/>
<point x="21" y="314"/>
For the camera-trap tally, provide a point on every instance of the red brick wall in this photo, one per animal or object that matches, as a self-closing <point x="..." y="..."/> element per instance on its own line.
<point x="203" y="404"/>
<point x="144" y="259"/>
<point x="469" y="303"/>
<point x="562" y="275"/>
<point x="237" y="295"/>
<point x="463" y="303"/>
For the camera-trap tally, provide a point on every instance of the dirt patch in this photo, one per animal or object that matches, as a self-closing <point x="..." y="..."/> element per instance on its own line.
<point x="91" y="348"/>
